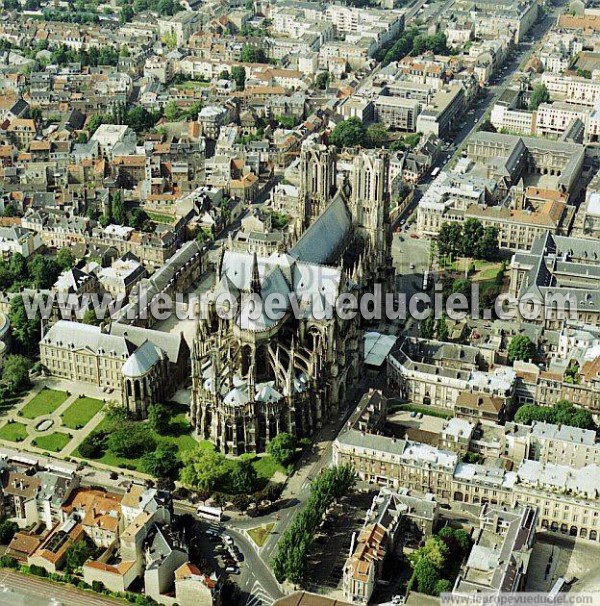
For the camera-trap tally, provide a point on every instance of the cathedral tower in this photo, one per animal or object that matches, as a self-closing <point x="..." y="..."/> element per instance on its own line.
<point x="317" y="179"/>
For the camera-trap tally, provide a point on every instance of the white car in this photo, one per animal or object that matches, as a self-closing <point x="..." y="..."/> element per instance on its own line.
<point x="228" y="539"/>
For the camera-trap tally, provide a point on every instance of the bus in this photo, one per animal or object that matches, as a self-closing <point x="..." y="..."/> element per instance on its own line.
<point x="435" y="171"/>
<point x="214" y="514"/>
<point x="425" y="280"/>
<point x="556" y="589"/>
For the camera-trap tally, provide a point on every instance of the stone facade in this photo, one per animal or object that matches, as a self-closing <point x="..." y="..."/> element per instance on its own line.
<point x="254" y="377"/>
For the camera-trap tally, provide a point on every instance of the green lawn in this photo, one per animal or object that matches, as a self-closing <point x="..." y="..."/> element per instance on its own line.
<point x="260" y="534"/>
<point x="53" y="442"/>
<point x="191" y="84"/>
<point x="425" y="410"/>
<point x="81" y="412"/>
<point x="161" y="217"/>
<point x="15" y="432"/>
<point x="180" y="433"/>
<point x="44" y="403"/>
<point x="266" y="466"/>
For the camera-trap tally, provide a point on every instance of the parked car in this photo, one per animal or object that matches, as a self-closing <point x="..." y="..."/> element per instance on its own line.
<point x="232" y="570"/>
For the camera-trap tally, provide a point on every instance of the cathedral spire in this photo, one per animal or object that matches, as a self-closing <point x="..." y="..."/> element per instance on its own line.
<point x="255" y="283"/>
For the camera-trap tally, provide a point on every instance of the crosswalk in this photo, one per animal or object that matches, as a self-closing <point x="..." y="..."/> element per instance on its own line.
<point x="258" y="596"/>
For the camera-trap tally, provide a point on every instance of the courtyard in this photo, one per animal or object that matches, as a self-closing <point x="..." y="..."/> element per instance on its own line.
<point x="51" y="420"/>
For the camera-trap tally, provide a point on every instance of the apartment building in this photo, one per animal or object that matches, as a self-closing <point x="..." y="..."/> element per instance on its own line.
<point x="390" y="515"/>
<point x="434" y="373"/>
<point x="548" y="443"/>
<point x="501" y="552"/>
<point x="442" y="114"/>
<point x="397" y="112"/>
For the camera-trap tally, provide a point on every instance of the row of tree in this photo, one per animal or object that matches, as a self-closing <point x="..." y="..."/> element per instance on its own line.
<point x="562" y="413"/>
<point x="128" y="439"/>
<point x="37" y="271"/>
<point x="353" y="133"/>
<point x="469" y="239"/>
<point x="105" y="55"/>
<point x="291" y="557"/>
<point x="138" y="118"/>
<point x="413" y="42"/>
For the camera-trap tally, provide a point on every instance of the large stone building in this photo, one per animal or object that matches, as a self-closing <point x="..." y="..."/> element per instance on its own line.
<point x="564" y="493"/>
<point x="141" y="367"/>
<point x="255" y="376"/>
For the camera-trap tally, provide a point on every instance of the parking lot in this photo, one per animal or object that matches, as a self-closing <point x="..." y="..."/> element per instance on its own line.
<point x="332" y="544"/>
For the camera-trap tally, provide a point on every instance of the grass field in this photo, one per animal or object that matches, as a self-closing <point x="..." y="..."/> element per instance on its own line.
<point x="180" y="434"/>
<point x="260" y="534"/>
<point x="191" y="84"/>
<point x="426" y="410"/>
<point x="15" y="432"/>
<point x="266" y="466"/>
<point x="44" y="403"/>
<point x="81" y="412"/>
<point x="53" y="442"/>
<point x="160" y="217"/>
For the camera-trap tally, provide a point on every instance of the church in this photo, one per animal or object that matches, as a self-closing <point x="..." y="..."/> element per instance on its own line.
<point x="254" y="376"/>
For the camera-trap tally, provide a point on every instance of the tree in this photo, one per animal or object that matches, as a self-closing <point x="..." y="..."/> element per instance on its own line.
<point x="472" y="233"/>
<point x="442" y="586"/>
<point x="204" y="469"/>
<point x="93" y="446"/>
<point x="449" y="239"/>
<point x="348" y="133"/>
<point x="16" y="372"/>
<point x="94" y="121"/>
<point x="193" y="111"/>
<point x="243" y="477"/>
<point x="427" y="327"/>
<point x="140" y="119"/>
<point x="7" y="531"/>
<point x="77" y="555"/>
<point x="130" y="440"/>
<point x="159" y="418"/>
<point x="252" y="54"/>
<point x="322" y="80"/>
<point x="117" y="210"/>
<point x="163" y="462"/>
<point x="562" y="413"/>
<point x="43" y="270"/>
<point x="282" y="448"/>
<point x="376" y="135"/>
<point x="584" y="73"/>
<point x="126" y="14"/>
<point x="488" y="248"/>
<point x="462" y="287"/>
<point x="25" y="330"/>
<point x="521" y="348"/>
<point x="137" y="218"/>
<point x="442" y="330"/>
<point x="426" y="576"/>
<point x="539" y="95"/>
<point x="238" y="75"/>
<point x="167" y="7"/>
<point x="172" y="111"/>
<point x="65" y="259"/>
<point x="18" y="267"/>
<point x="91" y="318"/>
